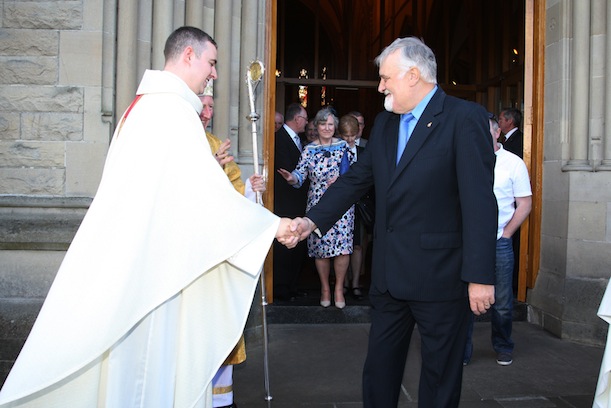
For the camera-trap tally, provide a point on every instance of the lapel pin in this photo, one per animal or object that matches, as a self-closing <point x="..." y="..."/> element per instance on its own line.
<point x="429" y="124"/>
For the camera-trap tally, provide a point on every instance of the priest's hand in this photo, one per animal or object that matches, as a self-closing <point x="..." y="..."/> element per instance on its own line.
<point x="285" y="235"/>
<point x="481" y="297"/>
<point x="222" y="155"/>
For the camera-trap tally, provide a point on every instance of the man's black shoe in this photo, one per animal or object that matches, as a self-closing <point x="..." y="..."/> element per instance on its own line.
<point x="504" y="359"/>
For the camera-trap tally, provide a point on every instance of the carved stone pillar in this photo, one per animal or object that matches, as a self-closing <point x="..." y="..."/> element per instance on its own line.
<point x="580" y="89"/>
<point x="163" y="12"/>
<point x="127" y="75"/>
<point x="248" y="53"/>
<point x="606" y="142"/>
<point x="222" y="86"/>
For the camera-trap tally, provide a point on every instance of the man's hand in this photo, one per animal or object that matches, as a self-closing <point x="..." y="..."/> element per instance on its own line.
<point x="481" y="297"/>
<point x="288" y="176"/>
<point x="290" y="232"/>
<point x="222" y="155"/>
<point x="286" y="235"/>
<point x="302" y="227"/>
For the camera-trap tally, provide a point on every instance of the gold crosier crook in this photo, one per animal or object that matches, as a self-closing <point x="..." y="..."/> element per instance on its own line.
<point x="253" y="77"/>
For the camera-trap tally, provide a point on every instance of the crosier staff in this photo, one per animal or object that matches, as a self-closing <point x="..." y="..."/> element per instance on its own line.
<point x="253" y="77"/>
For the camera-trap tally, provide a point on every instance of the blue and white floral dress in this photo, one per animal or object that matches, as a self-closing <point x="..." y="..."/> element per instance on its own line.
<point x="321" y="164"/>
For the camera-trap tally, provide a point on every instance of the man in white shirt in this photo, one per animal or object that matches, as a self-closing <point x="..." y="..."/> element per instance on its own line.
<point x="514" y="199"/>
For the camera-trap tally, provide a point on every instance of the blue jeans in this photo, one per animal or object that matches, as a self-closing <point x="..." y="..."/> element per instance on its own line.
<point x="502" y="309"/>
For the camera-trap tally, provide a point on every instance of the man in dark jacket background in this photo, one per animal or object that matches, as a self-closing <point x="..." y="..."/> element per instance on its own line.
<point x="289" y="201"/>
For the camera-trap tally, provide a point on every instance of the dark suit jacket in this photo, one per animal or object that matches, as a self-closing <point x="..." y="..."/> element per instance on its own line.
<point x="288" y="201"/>
<point x="359" y="151"/>
<point x="370" y="194"/>
<point x="515" y="143"/>
<point x="436" y="213"/>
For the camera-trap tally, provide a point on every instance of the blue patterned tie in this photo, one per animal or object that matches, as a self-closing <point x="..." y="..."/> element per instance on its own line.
<point x="404" y="133"/>
<point x="297" y="141"/>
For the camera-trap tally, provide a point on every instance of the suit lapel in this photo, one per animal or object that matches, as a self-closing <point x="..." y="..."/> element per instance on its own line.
<point x="291" y="142"/>
<point x="425" y="126"/>
<point x="391" y="128"/>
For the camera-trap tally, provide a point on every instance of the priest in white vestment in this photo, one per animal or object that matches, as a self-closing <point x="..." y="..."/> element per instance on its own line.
<point x="157" y="284"/>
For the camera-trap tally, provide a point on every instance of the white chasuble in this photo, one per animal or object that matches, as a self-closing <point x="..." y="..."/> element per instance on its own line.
<point x="155" y="289"/>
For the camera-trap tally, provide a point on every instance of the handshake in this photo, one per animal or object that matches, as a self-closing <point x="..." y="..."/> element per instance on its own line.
<point x="290" y="232"/>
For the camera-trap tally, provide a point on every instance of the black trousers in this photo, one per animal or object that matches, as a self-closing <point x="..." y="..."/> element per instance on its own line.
<point x="287" y="267"/>
<point x="442" y="327"/>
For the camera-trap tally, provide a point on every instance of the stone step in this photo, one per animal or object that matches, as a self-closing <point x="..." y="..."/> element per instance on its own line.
<point x="308" y="311"/>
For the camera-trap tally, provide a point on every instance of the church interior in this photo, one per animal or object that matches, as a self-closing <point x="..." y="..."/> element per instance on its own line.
<point x="328" y="47"/>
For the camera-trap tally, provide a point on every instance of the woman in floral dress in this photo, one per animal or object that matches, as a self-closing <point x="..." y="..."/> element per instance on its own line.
<point x="320" y="162"/>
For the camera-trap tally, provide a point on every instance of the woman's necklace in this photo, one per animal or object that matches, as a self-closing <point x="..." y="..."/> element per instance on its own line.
<point x="330" y="142"/>
<point x="325" y="148"/>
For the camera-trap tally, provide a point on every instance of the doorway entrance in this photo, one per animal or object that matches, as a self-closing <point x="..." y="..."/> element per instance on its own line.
<point x="489" y="52"/>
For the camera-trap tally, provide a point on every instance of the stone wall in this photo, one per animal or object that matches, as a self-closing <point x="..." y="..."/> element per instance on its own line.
<point x="34" y="235"/>
<point x="52" y="138"/>
<point x="576" y="213"/>
<point x="53" y="143"/>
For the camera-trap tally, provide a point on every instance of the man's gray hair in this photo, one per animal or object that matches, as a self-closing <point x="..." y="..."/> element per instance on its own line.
<point x="414" y="53"/>
<point x="494" y="124"/>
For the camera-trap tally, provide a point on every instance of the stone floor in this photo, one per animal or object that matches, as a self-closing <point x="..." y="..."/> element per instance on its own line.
<point x="319" y="365"/>
<point x="316" y="358"/>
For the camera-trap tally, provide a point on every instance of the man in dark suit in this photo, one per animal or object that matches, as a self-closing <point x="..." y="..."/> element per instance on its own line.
<point x="361" y="120"/>
<point x="289" y="201"/>
<point x="435" y="230"/>
<point x="509" y="122"/>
